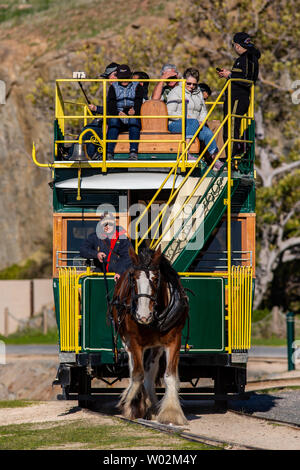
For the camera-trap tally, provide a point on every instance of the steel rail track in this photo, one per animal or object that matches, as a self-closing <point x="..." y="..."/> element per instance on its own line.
<point x="253" y="386"/>
<point x="169" y="429"/>
<point x="259" y="385"/>
<point x="263" y="384"/>
<point x="268" y="420"/>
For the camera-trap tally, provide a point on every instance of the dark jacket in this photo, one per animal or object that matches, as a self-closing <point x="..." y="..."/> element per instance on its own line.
<point x="115" y="248"/>
<point x="130" y="96"/>
<point x="246" y="66"/>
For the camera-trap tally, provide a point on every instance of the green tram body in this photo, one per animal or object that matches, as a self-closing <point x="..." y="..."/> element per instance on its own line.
<point x="208" y="349"/>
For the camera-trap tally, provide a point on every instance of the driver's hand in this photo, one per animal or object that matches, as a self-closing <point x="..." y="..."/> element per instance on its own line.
<point x="101" y="256"/>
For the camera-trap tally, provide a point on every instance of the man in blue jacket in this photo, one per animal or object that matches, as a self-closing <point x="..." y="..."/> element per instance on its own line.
<point x="108" y="245"/>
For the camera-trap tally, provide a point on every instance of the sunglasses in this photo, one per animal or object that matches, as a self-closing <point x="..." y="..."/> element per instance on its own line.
<point x="108" y="224"/>
<point x="191" y="84"/>
<point x="173" y="76"/>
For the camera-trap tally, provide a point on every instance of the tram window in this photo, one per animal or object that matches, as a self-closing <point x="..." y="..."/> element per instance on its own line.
<point x="89" y="198"/>
<point x="214" y="255"/>
<point x="77" y="232"/>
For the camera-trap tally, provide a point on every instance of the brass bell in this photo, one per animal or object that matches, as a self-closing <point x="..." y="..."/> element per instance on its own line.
<point x="78" y="153"/>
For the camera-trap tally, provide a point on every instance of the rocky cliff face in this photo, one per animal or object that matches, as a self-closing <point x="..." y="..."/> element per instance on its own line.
<point x="42" y="46"/>
<point x="25" y="198"/>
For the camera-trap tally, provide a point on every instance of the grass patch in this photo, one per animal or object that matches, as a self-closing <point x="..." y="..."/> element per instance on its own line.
<point x="31" y="336"/>
<point x="90" y="436"/>
<point x="16" y="403"/>
<point x="273" y="341"/>
<point x="16" y="10"/>
<point x="16" y="271"/>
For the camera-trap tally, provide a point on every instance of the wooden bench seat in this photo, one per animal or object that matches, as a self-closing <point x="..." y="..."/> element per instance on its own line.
<point x="155" y="129"/>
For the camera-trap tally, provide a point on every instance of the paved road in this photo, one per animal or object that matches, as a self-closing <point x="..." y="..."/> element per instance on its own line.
<point x="268" y="351"/>
<point x="29" y="349"/>
<point x="49" y="349"/>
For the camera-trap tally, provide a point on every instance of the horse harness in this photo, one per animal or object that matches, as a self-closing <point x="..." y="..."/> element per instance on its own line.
<point x="162" y="321"/>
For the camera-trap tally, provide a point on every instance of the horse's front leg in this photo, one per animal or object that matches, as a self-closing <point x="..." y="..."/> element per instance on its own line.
<point x="151" y="370"/>
<point x="134" y="402"/>
<point x="170" y="408"/>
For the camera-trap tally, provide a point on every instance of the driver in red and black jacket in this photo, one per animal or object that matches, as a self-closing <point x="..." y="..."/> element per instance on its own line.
<point x="108" y="245"/>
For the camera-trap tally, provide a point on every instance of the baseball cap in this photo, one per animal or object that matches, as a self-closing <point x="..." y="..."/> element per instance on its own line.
<point x="109" y="69"/>
<point x="243" y="39"/>
<point x="123" y="71"/>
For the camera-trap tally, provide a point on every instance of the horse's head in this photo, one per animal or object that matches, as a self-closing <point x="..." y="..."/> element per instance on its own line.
<point x="145" y="284"/>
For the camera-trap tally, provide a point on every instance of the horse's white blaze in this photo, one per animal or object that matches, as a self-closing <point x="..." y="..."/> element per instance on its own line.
<point x="143" y="306"/>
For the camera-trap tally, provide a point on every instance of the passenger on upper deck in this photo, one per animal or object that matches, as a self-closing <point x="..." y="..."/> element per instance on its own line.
<point x="206" y="90"/>
<point x="124" y="99"/>
<point x="195" y="113"/>
<point x="109" y="244"/>
<point x="213" y="124"/>
<point x="162" y="89"/>
<point x="110" y="72"/>
<point x="92" y="150"/>
<point x="145" y="85"/>
<point x="245" y="67"/>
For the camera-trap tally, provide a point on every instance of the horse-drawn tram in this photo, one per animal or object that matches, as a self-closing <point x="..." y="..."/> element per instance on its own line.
<point x="201" y="219"/>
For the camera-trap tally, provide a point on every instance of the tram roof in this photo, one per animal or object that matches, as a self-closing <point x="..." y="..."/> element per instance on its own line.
<point x="130" y="180"/>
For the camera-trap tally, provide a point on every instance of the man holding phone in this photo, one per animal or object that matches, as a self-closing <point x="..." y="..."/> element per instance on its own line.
<point x="245" y="67"/>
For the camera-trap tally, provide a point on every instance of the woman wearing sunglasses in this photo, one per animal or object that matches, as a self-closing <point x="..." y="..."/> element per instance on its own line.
<point x="108" y="245"/>
<point x="195" y="114"/>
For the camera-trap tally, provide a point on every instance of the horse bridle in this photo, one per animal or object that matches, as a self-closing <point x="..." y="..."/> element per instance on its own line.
<point x="135" y="296"/>
<point x="162" y="320"/>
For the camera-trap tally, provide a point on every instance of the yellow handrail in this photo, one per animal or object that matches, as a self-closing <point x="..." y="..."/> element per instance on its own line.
<point x="154" y="244"/>
<point x="69" y="307"/>
<point x="173" y="170"/>
<point x="61" y="117"/>
<point x="69" y="310"/>
<point x="241" y="293"/>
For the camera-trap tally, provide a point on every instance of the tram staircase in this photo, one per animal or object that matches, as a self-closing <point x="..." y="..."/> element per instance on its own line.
<point x="206" y="197"/>
<point x="191" y="214"/>
<point x="186" y="231"/>
<point x="205" y="209"/>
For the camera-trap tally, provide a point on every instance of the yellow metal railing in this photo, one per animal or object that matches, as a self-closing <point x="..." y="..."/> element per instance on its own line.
<point x="62" y="117"/>
<point x="69" y="310"/>
<point x="183" y="148"/>
<point x="69" y="307"/>
<point x="241" y="290"/>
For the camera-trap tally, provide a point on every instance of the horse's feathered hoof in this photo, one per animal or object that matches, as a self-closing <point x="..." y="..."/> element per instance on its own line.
<point x="172" y="416"/>
<point x="151" y="413"/>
